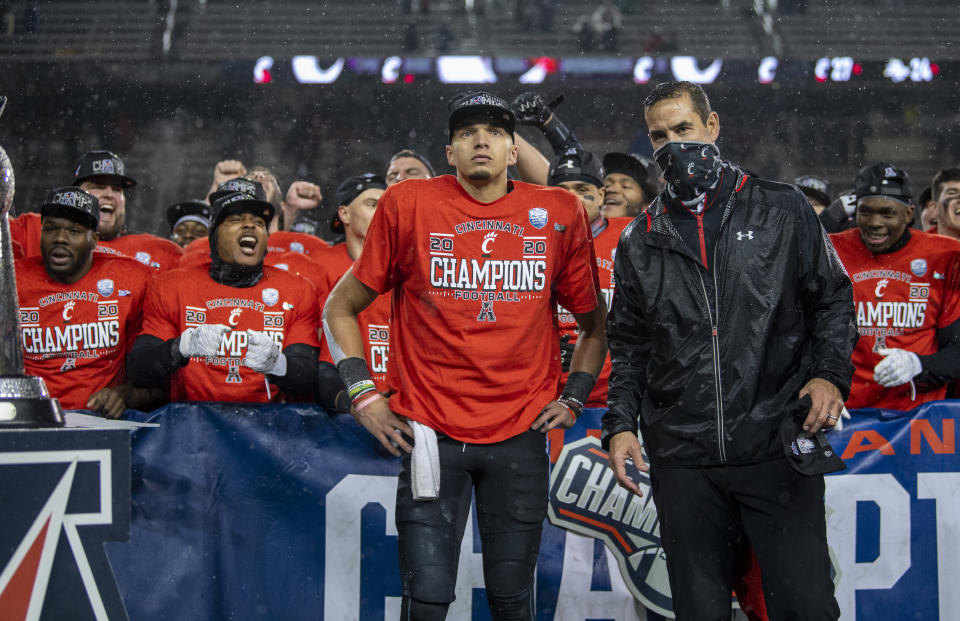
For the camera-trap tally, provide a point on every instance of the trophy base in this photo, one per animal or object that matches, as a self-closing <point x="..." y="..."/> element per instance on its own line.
<point x="26" y="404"/>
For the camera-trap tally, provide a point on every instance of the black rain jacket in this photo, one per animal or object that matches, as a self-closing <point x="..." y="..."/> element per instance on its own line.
<point x="707" y="364"/>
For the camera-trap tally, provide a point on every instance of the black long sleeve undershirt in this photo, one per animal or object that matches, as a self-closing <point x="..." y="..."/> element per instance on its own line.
<point x="151" y="360"/>
<point x="944" y="365"/>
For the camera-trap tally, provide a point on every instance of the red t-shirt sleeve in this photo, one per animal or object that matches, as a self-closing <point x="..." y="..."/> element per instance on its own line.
<point x="160" y="319"/>
<point x="138" y="296"/>
<point x="376" y="266"/>
<point x="577" y="284"/>
<point x="951" y="293"/>
<point x="303" y="325"/>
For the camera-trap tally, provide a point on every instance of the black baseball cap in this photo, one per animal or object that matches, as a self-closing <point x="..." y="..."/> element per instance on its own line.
<point x="483" y="104"/>
<point x="101" y="164"/>
<point x="628" y="164"/>
<point x="239" y="202"/>
<point x="807" y="454"/>
<point x="575" y="165"/>
<point x="74" y="204"/>
<point x="884" y="180"/>
<point x="195" y="210"/>
<point x="351" y="188"/>
<point x="641" y="169"/>
<point x="251" y="188"/>
<point x="815" y="187"/>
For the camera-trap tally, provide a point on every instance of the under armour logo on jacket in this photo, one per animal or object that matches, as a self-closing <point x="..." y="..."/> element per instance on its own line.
<point x="741" y="235"/>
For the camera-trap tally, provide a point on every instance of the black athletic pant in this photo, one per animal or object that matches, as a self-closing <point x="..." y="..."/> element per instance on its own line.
<point x="510" y="482"/>
<point x="704" y="512"/>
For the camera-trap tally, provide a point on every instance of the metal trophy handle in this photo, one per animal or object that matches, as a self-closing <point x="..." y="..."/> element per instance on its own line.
<point x="24" y="399"/>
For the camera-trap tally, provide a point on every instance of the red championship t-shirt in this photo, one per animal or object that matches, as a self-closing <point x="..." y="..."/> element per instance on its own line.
<point x="25" y="231"/>
<point x="76" y="336"/>
<point x="374" y="320"/>
<point x="902" y="298"/>
<point x="291" y="241"/>
<point x="280" y="304"/>
<point x="474" y="343"/>
<point x="198" y="251"/>
<point x="156" y="252"/>
<point x="292" y="262"/>
<point x="605" y="244"/>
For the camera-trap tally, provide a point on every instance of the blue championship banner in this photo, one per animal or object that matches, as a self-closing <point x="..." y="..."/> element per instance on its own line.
<point x="286" y="513"/>
<point x="63" y="493"/>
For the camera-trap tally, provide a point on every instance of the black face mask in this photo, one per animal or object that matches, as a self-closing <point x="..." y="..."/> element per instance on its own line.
<point x="231" y="274"/>
<point x="689" y="168"/>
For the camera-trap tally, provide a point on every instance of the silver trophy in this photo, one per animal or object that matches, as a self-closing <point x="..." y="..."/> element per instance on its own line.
<point x="24" y="400"/>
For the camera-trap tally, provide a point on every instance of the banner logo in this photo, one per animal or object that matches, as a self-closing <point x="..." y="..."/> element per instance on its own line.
<point x="585" y="498"/>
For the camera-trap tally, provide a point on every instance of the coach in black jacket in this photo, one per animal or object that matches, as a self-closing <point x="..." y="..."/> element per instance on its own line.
<point x="730" y="305"/>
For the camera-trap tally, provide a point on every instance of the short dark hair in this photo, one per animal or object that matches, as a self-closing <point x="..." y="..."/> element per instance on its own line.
<point x="675" y="90"/>
<point x="413" y="154"/>
<point x="944" y="175"/>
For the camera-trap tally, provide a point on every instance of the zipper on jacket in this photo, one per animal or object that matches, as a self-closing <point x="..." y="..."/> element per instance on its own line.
<point x="703" y="242"/>
<point x="715" y="346"/>
<point x="716" y="353"/>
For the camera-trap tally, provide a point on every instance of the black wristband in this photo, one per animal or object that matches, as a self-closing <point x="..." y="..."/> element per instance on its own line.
<point x="559" y="137"/>
<point x="578" y="387"/>
<point x="353" y="370"/>
<point x="178" y="359"/>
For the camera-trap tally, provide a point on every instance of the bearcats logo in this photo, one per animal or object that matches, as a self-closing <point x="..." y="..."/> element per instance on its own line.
<point x="585" y="498"/>
<point x="235" y="316"/>
<point x="881" y="286"/>
<point x="68" y="310"/>
<point x="488" y="240"/>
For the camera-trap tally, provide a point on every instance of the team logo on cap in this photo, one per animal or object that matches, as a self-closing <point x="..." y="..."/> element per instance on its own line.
<point x="538" y="217"/>
<point x="107" y="167"/>
<point x="918" y="267"/>
<point x="802" y="445"/>
<point x="585" y="498"/>
<point x="143" y="257"/>
<point x="890" y="172"/>
<point x="72" y="199"/>
<point x="270" y="296"/>
<point x="105" y="287"/>
<point x="296" y="247"/>
<point x="282" y="266"/>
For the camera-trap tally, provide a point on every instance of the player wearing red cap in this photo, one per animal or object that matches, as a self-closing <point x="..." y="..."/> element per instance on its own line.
<point x="79" y="311"/>
<point x="476" y="265"/>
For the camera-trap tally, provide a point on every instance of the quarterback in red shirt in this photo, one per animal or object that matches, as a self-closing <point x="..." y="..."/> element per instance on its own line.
<point x="906" y="287"/>
<point x="579" y="172"/>
<point x="476" y="265"/>
<point x="357" y="198"/>
<point x="79" y="310"/>
<point x="231" y="329"/>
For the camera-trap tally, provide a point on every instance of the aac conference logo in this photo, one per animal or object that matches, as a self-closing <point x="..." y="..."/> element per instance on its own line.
<point x="59" y="507"/>
<point x="585" y="498"/>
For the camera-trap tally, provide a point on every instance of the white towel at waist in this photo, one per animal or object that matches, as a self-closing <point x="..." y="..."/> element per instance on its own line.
<point x="424" y="463"/>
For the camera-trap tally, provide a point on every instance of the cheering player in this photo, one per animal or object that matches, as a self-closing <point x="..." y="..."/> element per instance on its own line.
<point x="579" y="173"/>
<point x="476" y="264"/>
<point x="357" y="197"/>
<point x="906" y="286"/>
<point x="79" y="310"/>
<point x="231" y="329"/>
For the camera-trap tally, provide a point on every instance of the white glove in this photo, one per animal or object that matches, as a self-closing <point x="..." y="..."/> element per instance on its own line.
<point x="203" y="340"/>
<point x="844" y="414"/>
<point x="264" y="355"/>
<point x="898" y="367"/>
